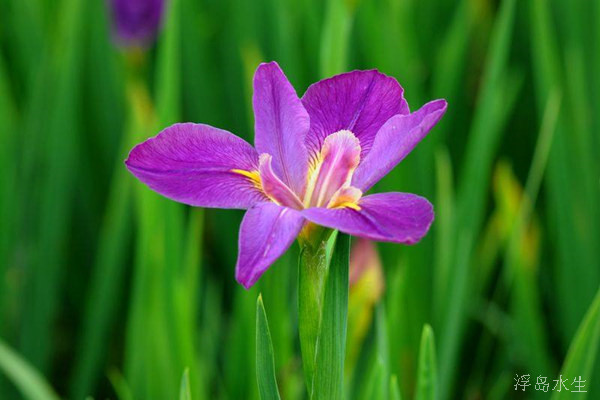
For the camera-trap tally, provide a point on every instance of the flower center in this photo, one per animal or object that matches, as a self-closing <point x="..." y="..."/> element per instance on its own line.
<point x="329" y="176"/>
<point x="331" y="172"/>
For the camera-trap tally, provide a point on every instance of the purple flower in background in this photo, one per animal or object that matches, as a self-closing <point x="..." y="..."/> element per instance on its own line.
<point x="313" y="160"/>
<point x="136" y="22"/>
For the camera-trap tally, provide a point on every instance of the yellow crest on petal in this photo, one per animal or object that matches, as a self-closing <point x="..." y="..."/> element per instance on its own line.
<point x="252" y="175"/>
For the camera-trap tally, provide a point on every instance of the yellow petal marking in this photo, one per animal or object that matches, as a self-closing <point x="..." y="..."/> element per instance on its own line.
<point x="252" y="175"/>
<point x="348" y="204"/>
<point x="346" y="197"/>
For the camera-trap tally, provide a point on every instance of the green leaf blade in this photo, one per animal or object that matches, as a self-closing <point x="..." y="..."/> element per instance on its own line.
<point x="331" y="345"/>
<point x="29" y="382"/>
<point x="583" y="351"/>
<point x="265" y="361"/>
<point x="427" y="373"/>
<point x="184" y="389"/>
<point x="394" y="388"/>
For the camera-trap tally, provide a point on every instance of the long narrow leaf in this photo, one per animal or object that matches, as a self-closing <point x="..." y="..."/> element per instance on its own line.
<point x="336" y="37"/>
<point x="526" y="302"/>
<point x="29" y="381"/>
<point x="427" y="375"/>
<point x="184" y="388"/>
<point x="56" y="189"/>
<point x="583" y="351"/>
<point x="265" y="362"/>
<point x="394" y="389"/>
<point x="8" y="175"/>
<point x="376" y="382"/>
<point x="484" y="136"/>
<point x="573" y="206"/>
<point x="109" y="267"/>
<point x="331" y="345"/>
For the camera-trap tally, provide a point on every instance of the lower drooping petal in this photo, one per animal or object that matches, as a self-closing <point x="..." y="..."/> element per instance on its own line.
<point x="198" y="165"/>
<point x="358" y="101"/>
<point x="389" y="217"/>
<point x="267" y="231"/>
<point x="394" y="141"/>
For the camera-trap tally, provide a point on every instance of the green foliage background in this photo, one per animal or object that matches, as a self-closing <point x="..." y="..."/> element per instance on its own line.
<point x="108" y="290"/>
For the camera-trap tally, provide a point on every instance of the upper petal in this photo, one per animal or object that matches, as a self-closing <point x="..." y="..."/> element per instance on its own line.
<point x="266" y="232"/>
<point x="358" y="101"/>
<point x="389" y="217"/>
<point x="396" y="138"/>
<point x="196" y="164"/>
<point x="281" y="125"/>
<point x="333" y="169"/>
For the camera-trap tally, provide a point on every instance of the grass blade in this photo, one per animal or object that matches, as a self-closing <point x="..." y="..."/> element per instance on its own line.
<point x="375" y="384"/>
<point x="278" y="286"/>
<point x="443" y="229"/>
<point x="29" y="382"/>
<point x="184" y="389"/>
<point x="265" y="361"/>
<point x="427" y="375"/>
<point x="25" y="24"/>
<point x="240" y="368"/>
<point x="56" y="190"/>
<point x="336" y="37"/>
<point x="110" y="264"/>
<point x="119" y="384"/>
<point x="331" y="345"/>
<point x="583" y="350"/>
<point x="487" y="122"/>
<point x="526" y="302"/>
<point x="449" y="341"/>
<point x="8" y="189"/>
<point x="483" y="140"/>
<point x="394" y="388"/>
<point x="572" y="203"/>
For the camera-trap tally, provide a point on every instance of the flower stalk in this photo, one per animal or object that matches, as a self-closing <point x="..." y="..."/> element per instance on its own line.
<point x="313" y="265"/>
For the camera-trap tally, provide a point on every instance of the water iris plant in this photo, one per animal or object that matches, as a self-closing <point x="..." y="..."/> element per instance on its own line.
<point x="313" y="161"/>
<point x="516" y="194"/>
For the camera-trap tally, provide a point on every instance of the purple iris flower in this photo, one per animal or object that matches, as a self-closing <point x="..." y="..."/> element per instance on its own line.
<point x="136" y="22"/>
<point x="313" y="160"/>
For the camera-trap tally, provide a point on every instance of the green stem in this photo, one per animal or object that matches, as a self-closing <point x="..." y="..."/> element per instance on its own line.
<point x="313" y="265"/>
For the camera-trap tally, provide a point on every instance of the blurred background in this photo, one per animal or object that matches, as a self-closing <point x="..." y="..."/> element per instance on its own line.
<point x="108" y="290"/>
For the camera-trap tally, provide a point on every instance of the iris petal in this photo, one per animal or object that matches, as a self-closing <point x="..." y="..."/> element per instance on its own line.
<point x="198" y="165"/>
<point x="389" y="217"/>
<point x="267" y="231"/>
<point x="281" y="124"/>
<point x="358" y="101"/>
<point x="273" y="187"/>
<point x="336" y="163"/>
<point x="394" y="141"/>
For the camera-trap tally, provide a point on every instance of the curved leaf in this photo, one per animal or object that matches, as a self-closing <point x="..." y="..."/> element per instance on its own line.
<point x="30" y="383"/>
